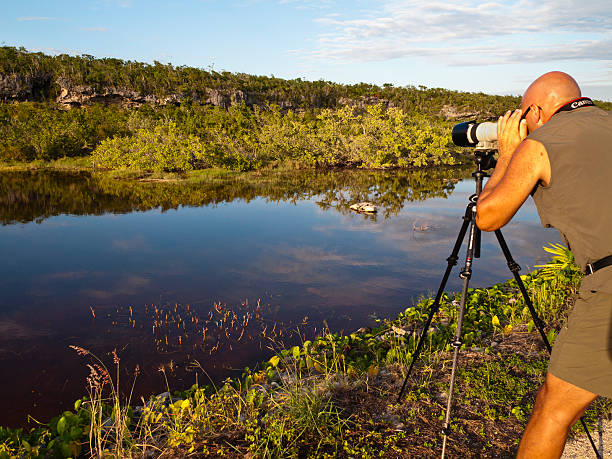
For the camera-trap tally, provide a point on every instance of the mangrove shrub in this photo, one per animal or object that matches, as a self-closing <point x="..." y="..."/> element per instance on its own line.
<point x="164" y="148"/>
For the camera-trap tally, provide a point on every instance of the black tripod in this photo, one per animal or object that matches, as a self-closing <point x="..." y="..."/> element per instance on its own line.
<point x="484" y="160"/>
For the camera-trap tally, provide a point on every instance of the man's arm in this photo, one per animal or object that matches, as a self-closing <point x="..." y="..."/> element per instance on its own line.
<point x="520" y="166"/>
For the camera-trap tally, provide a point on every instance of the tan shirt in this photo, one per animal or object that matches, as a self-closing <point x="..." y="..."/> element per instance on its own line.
<point x="578" y="199"/>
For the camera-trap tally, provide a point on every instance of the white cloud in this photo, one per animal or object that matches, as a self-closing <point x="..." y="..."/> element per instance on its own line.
<point x="471" y="32"/>
<point x="130" y="284"/>
<point x="134" y="243"/>
<point x="35" y="18"/>
<point x="121" y="3"/>
<point x="308" y="4"/>
<point x="96" y="29"/>
<point x="69" y="275"/>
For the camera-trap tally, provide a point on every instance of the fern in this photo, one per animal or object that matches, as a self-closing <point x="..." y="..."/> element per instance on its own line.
<point x="562" y="262"/>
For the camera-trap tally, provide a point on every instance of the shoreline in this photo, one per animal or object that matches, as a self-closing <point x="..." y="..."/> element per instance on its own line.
<point x="350" y="382"/>
<point x="84" y="164"/>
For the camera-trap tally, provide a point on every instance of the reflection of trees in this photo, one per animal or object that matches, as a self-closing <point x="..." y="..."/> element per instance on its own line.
<point x="390" y="190"/>
<point x="36" y="195"/>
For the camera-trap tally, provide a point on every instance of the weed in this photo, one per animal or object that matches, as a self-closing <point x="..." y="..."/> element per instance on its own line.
<point x="332" y="396"/>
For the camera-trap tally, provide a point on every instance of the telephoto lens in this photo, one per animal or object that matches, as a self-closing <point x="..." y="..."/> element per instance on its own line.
<point x="471" y="133"/>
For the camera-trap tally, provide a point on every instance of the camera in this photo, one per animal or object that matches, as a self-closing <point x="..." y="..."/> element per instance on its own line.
<point x="471" y="133"/>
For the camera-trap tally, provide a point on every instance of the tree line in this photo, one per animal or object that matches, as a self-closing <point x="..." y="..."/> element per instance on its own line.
<point x="192" y="83"/>
<point x="188" y="137"/>
<point x="329" y="125"/>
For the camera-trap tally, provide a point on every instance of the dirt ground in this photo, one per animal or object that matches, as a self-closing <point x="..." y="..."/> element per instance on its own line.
<point x="580" y="448"/>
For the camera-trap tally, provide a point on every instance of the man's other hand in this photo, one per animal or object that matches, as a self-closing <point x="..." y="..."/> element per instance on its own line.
<point x="511" y="131"/>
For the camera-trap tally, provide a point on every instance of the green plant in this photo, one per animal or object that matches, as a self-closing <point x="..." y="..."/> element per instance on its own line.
<point x="330" y="396"/>
<point x="109" y="416"/>
<point x="562" y="263"/>
<point x="165" y="148"/>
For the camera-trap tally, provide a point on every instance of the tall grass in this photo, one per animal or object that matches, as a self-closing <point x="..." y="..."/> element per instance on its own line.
<point x="302" y="403"/>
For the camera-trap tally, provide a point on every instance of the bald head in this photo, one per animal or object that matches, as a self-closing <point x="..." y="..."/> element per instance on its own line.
<point x="550" y="92"/>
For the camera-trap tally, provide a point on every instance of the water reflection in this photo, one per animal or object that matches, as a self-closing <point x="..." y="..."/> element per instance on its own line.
<point x="97" y="274"/>
<point x="37" y="195"/>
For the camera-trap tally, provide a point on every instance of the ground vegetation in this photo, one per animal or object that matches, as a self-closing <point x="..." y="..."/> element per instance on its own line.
<point x="197" y="136"/>
<point x="336" y="394"/>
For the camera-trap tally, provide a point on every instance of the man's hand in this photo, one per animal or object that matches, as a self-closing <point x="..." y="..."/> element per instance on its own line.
<point x="511" y="131"/>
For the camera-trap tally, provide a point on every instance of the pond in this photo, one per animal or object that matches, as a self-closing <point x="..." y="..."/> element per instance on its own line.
<point x="196" y="280"/>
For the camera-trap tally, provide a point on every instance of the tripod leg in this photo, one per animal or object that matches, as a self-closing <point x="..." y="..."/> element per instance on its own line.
<point x="477" y="237"/>
<point x="452" y="261"/>
<point x="515" y="268"/>
<point x="466" y="274"/>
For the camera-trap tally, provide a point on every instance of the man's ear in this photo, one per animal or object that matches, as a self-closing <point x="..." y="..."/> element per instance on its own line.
<point x="539" y="114"/>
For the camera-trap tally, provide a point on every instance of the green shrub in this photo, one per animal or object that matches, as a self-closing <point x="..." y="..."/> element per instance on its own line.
<point x="380" y="138"/>
<point x="193" y="136"/>
<point x="31" y="131"/>
<point x="165" y="148"/>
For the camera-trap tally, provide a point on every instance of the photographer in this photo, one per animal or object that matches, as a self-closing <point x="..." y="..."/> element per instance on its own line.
<point x="558" y="148"/>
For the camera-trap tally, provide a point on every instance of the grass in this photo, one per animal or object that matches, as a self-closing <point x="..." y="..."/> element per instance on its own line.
<point x="335" y="395"/>
<point x="84" y="163"/>
<point x="194" y="177"/>
<point x="74" y="163"/>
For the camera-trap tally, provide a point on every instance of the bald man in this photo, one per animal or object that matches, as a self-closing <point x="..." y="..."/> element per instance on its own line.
<point x="558" y="148"/>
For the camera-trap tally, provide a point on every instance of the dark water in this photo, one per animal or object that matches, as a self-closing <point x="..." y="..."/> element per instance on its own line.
<point x="216" y="273"/>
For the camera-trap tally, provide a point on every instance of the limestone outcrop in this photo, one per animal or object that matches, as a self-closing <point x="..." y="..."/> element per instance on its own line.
<point x="71" y="95"/>
<point x="17" y="87"/>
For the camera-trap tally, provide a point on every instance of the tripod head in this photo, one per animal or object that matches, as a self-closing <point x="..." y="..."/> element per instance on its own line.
<point x="485" y="159"/>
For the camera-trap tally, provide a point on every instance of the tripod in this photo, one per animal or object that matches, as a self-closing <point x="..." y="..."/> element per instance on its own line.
<point x="484" y="160"/>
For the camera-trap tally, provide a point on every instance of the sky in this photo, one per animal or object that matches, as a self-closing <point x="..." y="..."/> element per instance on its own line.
<point x="496" y="47"/>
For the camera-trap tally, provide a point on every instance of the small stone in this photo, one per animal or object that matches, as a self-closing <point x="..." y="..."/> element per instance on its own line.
<point x="392" y="419"/>
<point x="364" y="207"/>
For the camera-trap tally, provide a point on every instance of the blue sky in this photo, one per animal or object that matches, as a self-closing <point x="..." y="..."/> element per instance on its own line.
<point x="496" y="47"/>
